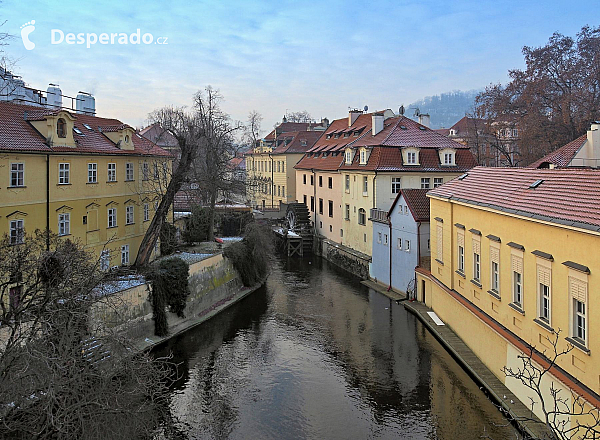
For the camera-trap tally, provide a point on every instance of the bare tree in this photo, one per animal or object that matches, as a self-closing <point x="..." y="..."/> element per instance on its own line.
<point x="63" y="374"/>
<point x="301" y="116"/>
<point x="566" y="414"/>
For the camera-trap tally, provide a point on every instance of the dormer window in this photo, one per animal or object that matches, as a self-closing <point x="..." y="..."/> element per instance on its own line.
<point x="411" y="158"/>
<point x="348" y="157"/>
<point x="61" y="128"/>
<point x="363" y="156"/>
<point x="447" y="157"/>
<point x="452" y="132"/>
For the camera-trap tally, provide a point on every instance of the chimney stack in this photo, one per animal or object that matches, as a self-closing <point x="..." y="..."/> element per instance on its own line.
<point x="376" y="123"/>
<point x="425" y="119"/>
<point x="352" y="116"/>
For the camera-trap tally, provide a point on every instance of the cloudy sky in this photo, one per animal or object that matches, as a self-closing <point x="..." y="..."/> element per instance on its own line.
<point x="278" y="56"/>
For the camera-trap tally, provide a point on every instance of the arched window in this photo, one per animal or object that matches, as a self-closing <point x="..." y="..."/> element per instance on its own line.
<point x="362" y="217"/>
<point x="61" y="128"/>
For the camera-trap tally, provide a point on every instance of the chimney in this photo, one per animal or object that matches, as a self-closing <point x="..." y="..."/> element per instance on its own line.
<point x="593" y="138"/>
<point x="352" y="116"/>
<point x="85" y="103"/>
<point x="54" y="96"/>
<point x="377" y="123"/>
<point x="425" y="119"/>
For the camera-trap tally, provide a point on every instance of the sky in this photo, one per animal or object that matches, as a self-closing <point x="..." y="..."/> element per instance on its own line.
<point x="280" y="56"/>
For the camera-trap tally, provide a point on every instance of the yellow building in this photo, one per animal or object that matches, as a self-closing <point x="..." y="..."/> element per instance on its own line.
<point x="514" y="263"/>
<point x="91" y="179"/>
<point x="270" y="174"/>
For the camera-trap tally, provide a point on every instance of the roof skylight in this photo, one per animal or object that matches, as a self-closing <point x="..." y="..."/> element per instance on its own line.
<point x="536" y="184"/>
<point x="87" y="126"/>
<point x="78" y="131"/>
<point x="463" y="176"/>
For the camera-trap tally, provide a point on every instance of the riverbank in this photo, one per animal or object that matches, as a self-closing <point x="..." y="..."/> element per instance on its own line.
<point x="497" y="391"/>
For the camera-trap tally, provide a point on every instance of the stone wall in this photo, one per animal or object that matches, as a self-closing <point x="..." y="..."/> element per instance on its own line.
<point x="348" y="259"/>
<point x="211" y="282"/>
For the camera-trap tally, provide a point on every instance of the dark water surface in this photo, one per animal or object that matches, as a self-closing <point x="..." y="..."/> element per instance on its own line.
<point x="316" y="355"/>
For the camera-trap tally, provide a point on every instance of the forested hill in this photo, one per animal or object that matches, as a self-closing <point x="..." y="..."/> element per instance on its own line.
<point x="445" y="109"/>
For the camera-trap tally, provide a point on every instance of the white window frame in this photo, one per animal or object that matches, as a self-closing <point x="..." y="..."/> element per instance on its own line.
<point x="17" y="174"/>
<point x="396" y="185"/>
<point x="425" y="183"/>
<point x="365" y="185"/>
<point x="438" y="181"/>
<point x="112" y="217"/>
<point x="477" y="267"/>
<point x="399" y="244"/>
<point x="580" y="321"/>
<point x="347" y="183"/>
<point x="111" y="172"/>
<point x="544" y="298"/>
<point x="145" y="170"/>
<point x="518" y="288"/>
<point x="129" y="174"/>
<point x="64" y="224"/>
<point x="129" y="215"/>
<point x="347" y="212"/>
<point x="146" y="212"/>
<point x="461" y="258"/>
<point x="407" y="245"/>
<point x="64" y="173"/>
<point x="17" y="231"/>
<point x="125" y="255"/>
<point x="495" y="276"/>
<point x="379" y="237"/>
<point x="92" y="172"/>
<point x="411" y="157"/>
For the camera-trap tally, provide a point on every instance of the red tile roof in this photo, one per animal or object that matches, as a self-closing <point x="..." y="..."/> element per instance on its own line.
<point x="18" y="134"/>
<point x="417" y="135"/>
<point x="285" y="127"/>
<point x="295" y="142"/>
<point x="566" y="196"/>
<point x="417" y="201"/>
<point x="561" y="157"/>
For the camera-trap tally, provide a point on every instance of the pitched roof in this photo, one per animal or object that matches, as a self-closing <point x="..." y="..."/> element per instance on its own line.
<point x="238" y="162"/>
<point x="286" y="127"/>
<point x="417" y="201"/>
<point x="18" y="134"/>
<point x="408" y="133"/>
<point x="297" y="141"/>
<point x="561" y="157"/>
<point x="159" y="136"/>
<point x="565" y="196"/>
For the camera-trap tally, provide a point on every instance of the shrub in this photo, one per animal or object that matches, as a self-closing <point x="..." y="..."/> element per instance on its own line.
<point x="196" y="226"/>
<point x="168" y="239"/>
<point x="234" y="223"/>
<point x="169" y="288"/>
<point x="250" y="257"/>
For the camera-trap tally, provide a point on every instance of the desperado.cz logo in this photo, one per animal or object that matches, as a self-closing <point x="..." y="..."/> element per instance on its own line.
<point x="57" y="36"/>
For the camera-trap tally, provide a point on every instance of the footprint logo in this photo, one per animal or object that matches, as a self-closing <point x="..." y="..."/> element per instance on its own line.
<point x="26" y="30"/>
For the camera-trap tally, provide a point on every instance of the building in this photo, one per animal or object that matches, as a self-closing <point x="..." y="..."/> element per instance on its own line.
<point x="514" y="265"/>
<point x="582" y="152"/>
<point x="401" y="239"/>
<point x="164" y="139"/>
<point x="81" y="176"/>
<point x="271" y="178"/>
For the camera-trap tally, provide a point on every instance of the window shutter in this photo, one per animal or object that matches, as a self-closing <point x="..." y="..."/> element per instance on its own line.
<point x="476" y="247"/>
<point x="517" y="264"/>
<point x="578" y="289"/>
<point x="495" y="255"/>
<point x="461" y="239"/>
<point x="439" y="245"/>
<point x="544" y="276"/>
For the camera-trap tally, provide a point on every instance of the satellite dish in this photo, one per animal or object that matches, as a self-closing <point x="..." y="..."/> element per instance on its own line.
<point x="366" y="107"/>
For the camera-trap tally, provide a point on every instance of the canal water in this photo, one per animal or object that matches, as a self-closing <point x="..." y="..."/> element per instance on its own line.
<point x="316" y="355"/>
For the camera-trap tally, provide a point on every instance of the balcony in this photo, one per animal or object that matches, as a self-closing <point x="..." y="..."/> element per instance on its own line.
<point x="378" y="215"/>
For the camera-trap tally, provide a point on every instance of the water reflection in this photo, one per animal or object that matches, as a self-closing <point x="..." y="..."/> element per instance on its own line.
<point x="316" y="355"/>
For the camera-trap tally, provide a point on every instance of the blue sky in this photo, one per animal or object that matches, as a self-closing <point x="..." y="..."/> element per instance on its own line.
<point x="274" y="56"/>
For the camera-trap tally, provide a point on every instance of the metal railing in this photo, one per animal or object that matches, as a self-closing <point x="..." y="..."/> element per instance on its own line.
<point x="378" y="215"/>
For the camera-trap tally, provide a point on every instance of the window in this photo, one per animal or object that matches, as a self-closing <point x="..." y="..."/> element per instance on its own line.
<point x="64" y="224"/>
<point x="405" y="209"/>
<point x="16" y="231"/>
<point x="396" y="185"/>
<point x="544" y="275"/>
<point x="424" y="182"/>
<point x="64" y="173"/>
<point x="17" y="174"/>
<point x="129" y="215"/>
<point x="156" y="174"/>
<point x="304" y="199"/>
<point x="61" y="128"/>
<point x="379" y="237"/>
<point x="363" y="157"/>
<point x="348" y="157"/>
<point x="304" y="179"/>
<point x="312" y="179"/>
<point x="330" y="208"/>
<point x="341" y="232"/>
<point x="282" y="166"/>
<point x="517" y="276"/>
<point x="146" y="212"/>
<point x="92" y="173"/>
<point x="129" y="171"/>
<point x="385" y="239"/>
<point x="411" y="157"/>
<point x="347" y="183"/>
<point x="112" y="217"/>
<point x="321" y="181"/>
<point x="476" y="267"/>
<point x="362" y="217"/>
<point x="495" y="277"/>
<point x="278" y="190"/>
<point x="495" y="267"/>
<point x="312" y="203"/>
<point x="461" y="258"/>
<point x="145" y="171"/>
<point x="440" y="242"/>
<point x="105" y="260"/>
<point x="438" y="181"/>
<point x="125" y="255"/>
<point x="579" y="324"/>
<point x="278" y="166"/>
<point x="407" y="245"/>
<point x="330" y="182"/>
<point x="320" y="206"/>
<point x="112" y="172"/>
<point x="515" y="132"/>
<point x="448" y="158"/>
<point x="399" y="244"/>
<point x="365" y="185"/>
<point x="347" y="212"/>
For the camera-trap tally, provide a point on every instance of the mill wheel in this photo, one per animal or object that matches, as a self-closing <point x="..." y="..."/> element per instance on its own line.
<point x="297" y="216"/>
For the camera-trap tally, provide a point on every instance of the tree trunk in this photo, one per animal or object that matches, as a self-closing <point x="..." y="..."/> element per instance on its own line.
<point x="211" y="215"/>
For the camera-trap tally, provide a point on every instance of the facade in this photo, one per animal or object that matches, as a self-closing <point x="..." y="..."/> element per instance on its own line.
<point x="514" y="265"/>
<point x="401" y="239"/>
<point x="582" y="152"/>
<point x="83" y="177"/>
<point x="271" y="178"/>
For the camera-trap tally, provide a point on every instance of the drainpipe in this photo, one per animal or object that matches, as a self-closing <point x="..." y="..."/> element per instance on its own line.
<point x="418" y="254"/>
<point x="314" y="180"/>
<point x="272" y="182"/>
<point x="47" y="202"/>
<point x="374" y="182"/>
<point x="390" y="243"/>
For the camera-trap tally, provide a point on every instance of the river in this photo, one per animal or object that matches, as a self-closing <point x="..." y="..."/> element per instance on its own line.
<point x="315" y="355"/>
